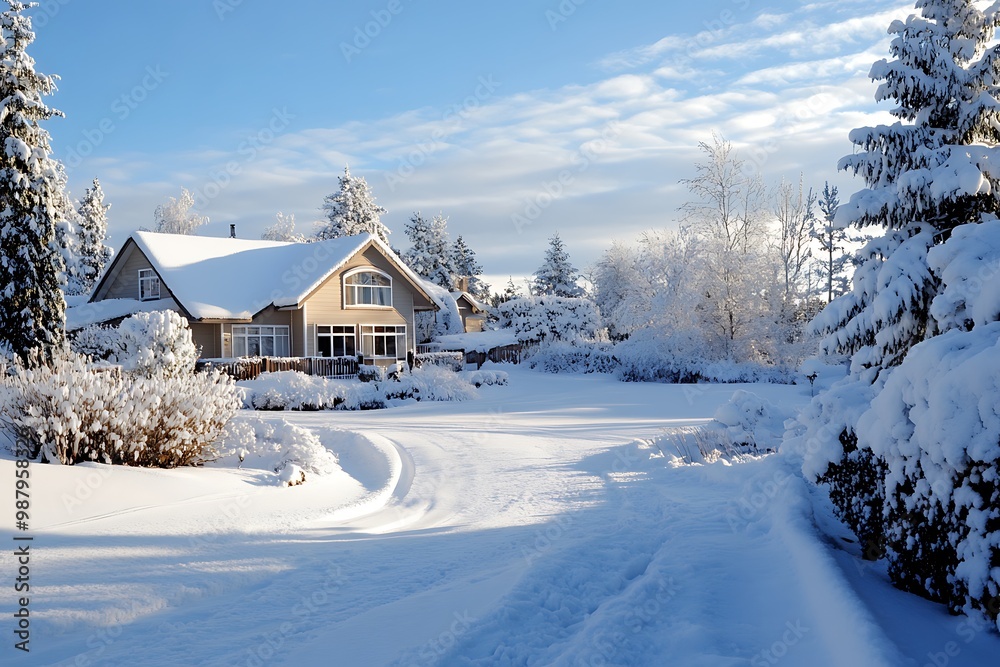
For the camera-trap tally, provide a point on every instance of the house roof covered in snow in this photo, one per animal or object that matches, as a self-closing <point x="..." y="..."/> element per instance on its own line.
<point x="213" y="278"/>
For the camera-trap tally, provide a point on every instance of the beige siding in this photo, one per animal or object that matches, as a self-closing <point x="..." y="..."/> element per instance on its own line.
<point x="326" y="304"/>
<point x="124" y="282"/>
<point x="206" y="338"/>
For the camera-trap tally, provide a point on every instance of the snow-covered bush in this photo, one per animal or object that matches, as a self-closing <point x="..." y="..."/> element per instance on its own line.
<point x="97" y="341"/>
<point x="751" y="422"/>
<point x="454" y="361"/>
<point x="157" y="343"/>
<point x="548" y="318"/>
<point x="153" y="343"/>
<point x="487" y="378"/>
<point x="291" y="390"/>
<point x="67" y="411"/>
<point x="574" y="356"/>
<point x="271" y="445"/>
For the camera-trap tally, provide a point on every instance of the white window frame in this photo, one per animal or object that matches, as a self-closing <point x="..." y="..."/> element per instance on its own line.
<point x="249" y="337"/>
<point x="371" y="333"/>
<point x="149" y="285"/>
<point x="346" y="331"/>
<point x="352" y="291"/>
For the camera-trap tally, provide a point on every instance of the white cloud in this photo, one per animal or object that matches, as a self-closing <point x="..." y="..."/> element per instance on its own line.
<point x="596" y="161"/>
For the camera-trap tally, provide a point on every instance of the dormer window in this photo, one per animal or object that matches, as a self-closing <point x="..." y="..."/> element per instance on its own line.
<point x="367" y="287"/>
<point x="149" y="285"/>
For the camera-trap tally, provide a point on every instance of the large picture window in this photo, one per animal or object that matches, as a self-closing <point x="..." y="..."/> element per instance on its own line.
<point x="367" y="288"/>
<point x="384" y="341"/>
<point x="260" y="341"/>
<point x="336" y="341"/>
<point x="149" y="285"/>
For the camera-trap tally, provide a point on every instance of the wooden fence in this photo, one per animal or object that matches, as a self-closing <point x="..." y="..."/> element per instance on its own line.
<point x="248" y="368"/>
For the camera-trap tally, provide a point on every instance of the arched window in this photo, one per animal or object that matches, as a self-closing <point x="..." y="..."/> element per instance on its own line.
<point x="367" y="287"/>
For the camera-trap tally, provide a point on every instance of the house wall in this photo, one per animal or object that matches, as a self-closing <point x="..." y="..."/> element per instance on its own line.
<point x="206" y="338"/>
<point x="124" y="283"/>
<point x="325" y="305"/>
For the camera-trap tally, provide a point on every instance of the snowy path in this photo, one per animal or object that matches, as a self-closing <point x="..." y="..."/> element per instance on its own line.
<point x="527" y="527"/>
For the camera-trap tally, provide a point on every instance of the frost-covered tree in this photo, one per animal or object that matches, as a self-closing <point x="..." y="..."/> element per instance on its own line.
<point x="465" y="265"/>
<point x="176" y="217"/>
<point x="351" y="210"/>
<point x="32" y="307"/>
<point x="834" y="258"/>
<point x="909" y="455"/>
<point x="556" y="276"/>
<point x="283" y="229"/>
<point x="793" y="212"/>
<point x="91" y="253"/>
<point x="430" y="251"/>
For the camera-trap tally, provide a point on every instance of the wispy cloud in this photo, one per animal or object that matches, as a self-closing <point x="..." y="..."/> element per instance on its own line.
<point x="786" y="88"/>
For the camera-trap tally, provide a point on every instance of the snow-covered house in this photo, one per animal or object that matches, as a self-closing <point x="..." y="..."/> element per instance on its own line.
<point x="340" y="297"/>
<point x="472" y="312"/>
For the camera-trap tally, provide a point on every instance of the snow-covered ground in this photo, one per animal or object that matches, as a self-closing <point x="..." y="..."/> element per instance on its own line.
<point x="544" y="524"/>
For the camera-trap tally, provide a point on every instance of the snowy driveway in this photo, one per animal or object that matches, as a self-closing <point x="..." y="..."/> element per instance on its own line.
<point x="527" y="527"/>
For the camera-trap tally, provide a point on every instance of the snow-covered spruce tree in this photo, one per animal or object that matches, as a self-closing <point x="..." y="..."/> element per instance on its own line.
<point x="283" y="229"/>
<point x="92" y="255"/>
<point x="465" y="265"/>
<point x="351" y="210"/>
<point x="908" y="443"/>
<point x="430" y="253"/>
<point x="32" y="307"/>
<point x="556" y="276"/>
<point x="176" y="216"/>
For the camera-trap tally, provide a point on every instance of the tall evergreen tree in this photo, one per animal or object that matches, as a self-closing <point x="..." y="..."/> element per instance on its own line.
<point x="32" y="307"/>
<point x="430" y="253"/>
<point x="925" y="501"/>
<point x="465" y="265"/>
<point x="556" y="276"/>
<point x="352" y="210"/>
<point x="91" y="253"/>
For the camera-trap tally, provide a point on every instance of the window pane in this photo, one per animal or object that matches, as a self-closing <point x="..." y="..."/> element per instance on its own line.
<point x="390" y="346"/>
<point x="239" y="330"/>
<point x="323" y="346"/>
<point x="349" y="350"/>
<point x="239" y="346"/>
<point x="379" y="346"/>
<point x="281" y="346"/>
<point x="323" y="330"/>
<point x="253" y="346"/>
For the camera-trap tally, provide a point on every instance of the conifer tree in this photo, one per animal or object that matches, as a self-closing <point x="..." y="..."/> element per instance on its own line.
<point x="832" y="239"/>
<point x="465" y="265"/>
<point x="430" y="253"/>
<point x="352" y="210"/>
<point x="556" y="276"/>
<point x="32" y="307"/>
<point x="908" y="494"/>
<point x="91" y="253"/>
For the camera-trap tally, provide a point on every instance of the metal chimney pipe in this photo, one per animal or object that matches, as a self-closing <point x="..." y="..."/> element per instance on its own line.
<point x="232" y="231"/>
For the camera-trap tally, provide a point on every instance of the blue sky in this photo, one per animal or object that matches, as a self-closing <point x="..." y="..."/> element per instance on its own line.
<point x="514" y="119"/>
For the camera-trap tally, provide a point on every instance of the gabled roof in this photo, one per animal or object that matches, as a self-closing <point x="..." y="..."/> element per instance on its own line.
<point x="215" y="278"/>
<point x="475" y="304"/>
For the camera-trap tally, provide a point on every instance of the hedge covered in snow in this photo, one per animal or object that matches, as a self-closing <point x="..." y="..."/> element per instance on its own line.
<point x="291" y="390"/>
<point x="157" y="342"/>
<point x="548" y="318"/>
<point x="68" y="411"/>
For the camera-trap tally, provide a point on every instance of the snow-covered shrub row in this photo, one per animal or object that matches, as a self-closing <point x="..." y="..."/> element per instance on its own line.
<point x="157" y="342"/>
<point x="270" y="445"/>
<point x="68" y="411"/>
<point x="573" y="356"/>
<point x="648" y="356"/>
<point x="750" y="421"/>
<point x="291" y="390"/>
<point x="548" y="318"/>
